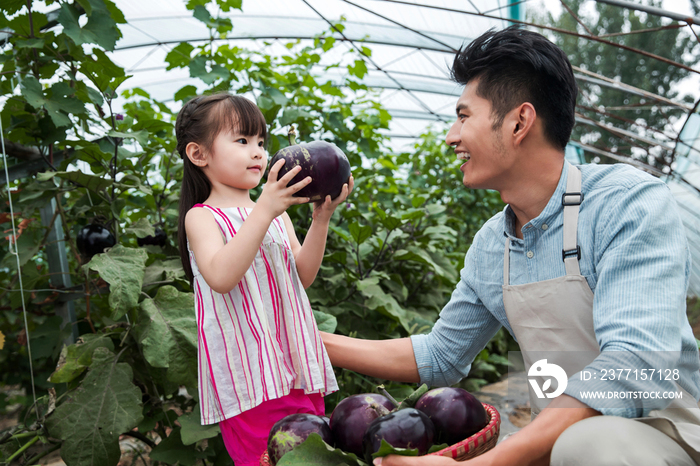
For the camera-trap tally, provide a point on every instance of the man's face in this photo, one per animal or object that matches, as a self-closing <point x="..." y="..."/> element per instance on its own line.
<point x="476" y="142"/>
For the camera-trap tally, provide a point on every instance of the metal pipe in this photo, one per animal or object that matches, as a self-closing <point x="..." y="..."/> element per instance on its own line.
<point x="652" y="10"/>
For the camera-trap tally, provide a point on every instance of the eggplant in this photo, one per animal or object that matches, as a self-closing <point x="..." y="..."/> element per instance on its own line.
<point x="323" y="161"/>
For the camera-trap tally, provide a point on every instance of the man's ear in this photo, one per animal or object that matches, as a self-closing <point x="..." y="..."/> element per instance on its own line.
<point x="196" y="154"/>
<point x="523" y="121"/>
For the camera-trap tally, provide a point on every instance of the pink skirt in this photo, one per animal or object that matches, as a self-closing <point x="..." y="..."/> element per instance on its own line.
<point x="245" y="435"/>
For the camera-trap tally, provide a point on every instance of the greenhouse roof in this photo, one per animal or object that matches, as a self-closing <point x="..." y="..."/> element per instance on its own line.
<point x="412" y="44"/>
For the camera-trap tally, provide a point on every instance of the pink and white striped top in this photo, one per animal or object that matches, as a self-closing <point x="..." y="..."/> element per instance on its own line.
<point x="260" y="340"/>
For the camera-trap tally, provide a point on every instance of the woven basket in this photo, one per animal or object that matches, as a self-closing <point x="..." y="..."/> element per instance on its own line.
<point x="473" y="446"/>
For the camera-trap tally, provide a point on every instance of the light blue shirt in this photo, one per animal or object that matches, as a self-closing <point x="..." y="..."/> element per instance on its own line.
<point x="635" y="257"/>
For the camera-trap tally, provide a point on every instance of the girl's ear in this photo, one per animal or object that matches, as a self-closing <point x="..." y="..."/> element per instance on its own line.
<point x="196" y="154"/>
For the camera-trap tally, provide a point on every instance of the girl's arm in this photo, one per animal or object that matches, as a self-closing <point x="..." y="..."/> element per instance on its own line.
<point x="308" y="256"/>
<point x="223" y="264"/>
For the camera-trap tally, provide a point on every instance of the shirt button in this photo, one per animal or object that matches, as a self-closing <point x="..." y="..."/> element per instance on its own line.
<point x="545" y="226"/>
<point x="530" y="254"/>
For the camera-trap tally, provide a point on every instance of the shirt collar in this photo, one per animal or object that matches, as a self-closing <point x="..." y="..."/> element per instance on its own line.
<point x="553" y="207"/>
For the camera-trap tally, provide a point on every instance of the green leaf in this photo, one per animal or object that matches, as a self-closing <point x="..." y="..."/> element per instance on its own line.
<point x="30" y="44"/>
<point x="123" y="268"/>
<point x="171" y="450"/>
<point x="140" y="136"/>
<point x="325" y="322"/>
<point x="163" y="270"/>
<point x="11" y="7"/>
<point x="226" y="5"/>
<point x="103" y="72"/>
<point x="222" y="25"/>
<point x="192" y="429"/>
<point x="418" y="201"/>
<point x="314" y="451"/>
<point x="91" y="182"/>
<point x="185" y="93"/>
<point x="378" y="299"/>
<point x="386" y="449"/>
<point x="31" y="90"/>
<point x="198" y="69"/>
<point x="104" y="406"/>
<point x="59" y="103"/>
<point x="192" y="4"/>
<point x="179" y="57"/>
<point x="276" y="96"/>
<point x="435" y="448"/>
<point x="360" y="233"/>
<point x="359" y="69"/>
<point x="328" y="43"/>
<point x="201" y="13"/>
<point x="168" y="333"/>
<point x="100" y="28"/>
<point x="141" y="228"/>
<point x="76" y="358"/>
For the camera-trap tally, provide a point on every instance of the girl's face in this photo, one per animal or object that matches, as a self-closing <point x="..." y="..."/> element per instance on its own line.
<point x="236" y="160"/>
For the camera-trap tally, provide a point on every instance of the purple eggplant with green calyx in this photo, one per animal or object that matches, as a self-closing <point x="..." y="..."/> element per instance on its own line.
<point x="323" y="161"/>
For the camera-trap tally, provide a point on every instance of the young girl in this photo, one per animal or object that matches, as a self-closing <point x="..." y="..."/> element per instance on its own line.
<point x="260" y="354"/>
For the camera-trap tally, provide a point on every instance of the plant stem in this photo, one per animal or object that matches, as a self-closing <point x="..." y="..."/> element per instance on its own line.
<point x="291" y="135"/>
<point x="22" y="449"/>
<point x="25" y="435"/>
<point x="386" y="394"/>
<point x="36" y="458"/>
<point x="66" y="230"/>
<point x="140" y="436"/>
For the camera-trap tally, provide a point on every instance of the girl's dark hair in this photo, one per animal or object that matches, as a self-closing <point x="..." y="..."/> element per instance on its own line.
<point x="200" y="120"/>
<point x="513" y="66"/>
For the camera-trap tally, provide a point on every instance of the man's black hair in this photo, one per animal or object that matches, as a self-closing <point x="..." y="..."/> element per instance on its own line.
<point x="513" y="66"/>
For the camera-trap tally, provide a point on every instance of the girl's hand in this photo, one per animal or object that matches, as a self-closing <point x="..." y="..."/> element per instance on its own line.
<point x="276" y="196"/>
<point x="323" y="210"/>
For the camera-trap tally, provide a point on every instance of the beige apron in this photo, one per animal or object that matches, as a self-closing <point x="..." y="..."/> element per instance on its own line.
<point x="556" y="316"/>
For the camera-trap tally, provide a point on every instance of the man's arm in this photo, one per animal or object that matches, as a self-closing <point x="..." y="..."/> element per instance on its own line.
<point x="531" y="446"/>
<point x="384" y="359"/>
<point x="440" y="358"/>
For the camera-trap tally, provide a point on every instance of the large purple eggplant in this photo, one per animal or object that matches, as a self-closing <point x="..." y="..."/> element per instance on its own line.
<point x="406" y="428"/>
<point x="324" y="162"/>
<point x="455" y="412"/>
<point x="350" y="419"/>
<point x="292" y="430"/>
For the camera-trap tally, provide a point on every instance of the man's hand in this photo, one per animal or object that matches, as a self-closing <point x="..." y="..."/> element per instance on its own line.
<point x="397" y="460"/>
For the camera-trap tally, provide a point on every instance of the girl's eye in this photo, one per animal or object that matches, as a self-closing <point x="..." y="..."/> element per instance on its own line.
<point x="242" y="140"/>
<point x="261" y="144"/>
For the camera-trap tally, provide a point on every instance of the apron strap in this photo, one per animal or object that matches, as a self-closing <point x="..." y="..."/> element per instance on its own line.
<point x="506" y="263"/>
<point x="571" y="200"/>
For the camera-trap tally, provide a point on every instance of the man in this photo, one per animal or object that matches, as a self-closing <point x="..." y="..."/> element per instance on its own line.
<point x="583" y="260"/>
